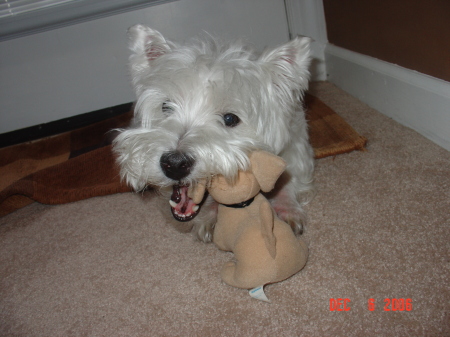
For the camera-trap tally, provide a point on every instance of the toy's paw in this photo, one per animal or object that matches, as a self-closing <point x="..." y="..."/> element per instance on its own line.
<point x="228" y="272"/>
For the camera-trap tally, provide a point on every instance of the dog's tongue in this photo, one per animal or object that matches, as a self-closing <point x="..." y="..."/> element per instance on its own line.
<point x="183" y="208"/>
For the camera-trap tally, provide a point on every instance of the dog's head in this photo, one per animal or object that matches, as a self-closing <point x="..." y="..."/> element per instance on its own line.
<point x="203" y="107"/>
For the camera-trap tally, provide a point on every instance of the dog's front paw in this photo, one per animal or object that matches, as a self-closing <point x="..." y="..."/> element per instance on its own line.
<point x="205" y="221"/>
<point x="295" y="217"/>
<point x="297" y="224"/>
<point x="203" y="231"/>
<point x="290" y="210"/>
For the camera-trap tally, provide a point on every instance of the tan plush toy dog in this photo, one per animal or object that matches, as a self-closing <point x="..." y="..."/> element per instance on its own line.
<point x="265" y="248"/>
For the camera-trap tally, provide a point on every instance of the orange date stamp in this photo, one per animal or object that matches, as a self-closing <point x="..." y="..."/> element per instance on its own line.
<point x="390" y="304"/>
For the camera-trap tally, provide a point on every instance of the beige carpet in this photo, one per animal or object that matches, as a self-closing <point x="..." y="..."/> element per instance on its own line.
<point x="379" y="228"/>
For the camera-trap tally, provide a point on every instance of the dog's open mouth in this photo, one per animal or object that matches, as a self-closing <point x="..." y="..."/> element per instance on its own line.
<point x="183" y="208"/>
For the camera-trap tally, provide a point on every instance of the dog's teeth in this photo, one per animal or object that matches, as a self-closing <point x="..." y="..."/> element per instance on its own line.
<point x="195" y="208"/>
<point x="172" y="203"/>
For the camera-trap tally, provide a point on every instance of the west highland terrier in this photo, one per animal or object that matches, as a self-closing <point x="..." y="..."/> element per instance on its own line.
<point x="202" y="108"/>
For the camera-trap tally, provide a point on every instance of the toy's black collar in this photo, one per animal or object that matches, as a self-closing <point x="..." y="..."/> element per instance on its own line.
<point x="241" y="204"/>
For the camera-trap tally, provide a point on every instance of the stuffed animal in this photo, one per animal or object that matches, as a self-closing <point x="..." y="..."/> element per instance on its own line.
<point x="265" y="248"/>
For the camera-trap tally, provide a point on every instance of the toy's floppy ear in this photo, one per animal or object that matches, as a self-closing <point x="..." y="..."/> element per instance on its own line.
<point x="266" y="168"/>
<point x="197" y="192"/>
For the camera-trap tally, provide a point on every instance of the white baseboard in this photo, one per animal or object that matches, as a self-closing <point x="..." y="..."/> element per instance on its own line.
<point x="416" y="100"/>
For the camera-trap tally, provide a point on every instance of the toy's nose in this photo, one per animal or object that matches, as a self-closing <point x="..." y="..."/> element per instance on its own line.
<point x="176" y="165"/>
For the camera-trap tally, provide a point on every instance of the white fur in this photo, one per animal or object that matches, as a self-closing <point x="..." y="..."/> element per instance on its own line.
<point x="201" y="82"/>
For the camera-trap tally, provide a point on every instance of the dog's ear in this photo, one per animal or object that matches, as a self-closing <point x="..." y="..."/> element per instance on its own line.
<point x="197" y="192"/>
<point x="147" y="45"/>
<point x="289" y="65"/>
<point x="146" y="41"/>
<point x="266" y="168"/>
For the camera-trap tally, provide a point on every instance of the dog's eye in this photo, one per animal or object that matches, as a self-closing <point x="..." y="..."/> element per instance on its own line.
<point x="166" y="107"/>
<point x="231" y="120"/>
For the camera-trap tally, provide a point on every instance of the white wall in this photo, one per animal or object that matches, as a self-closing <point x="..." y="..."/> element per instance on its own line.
<point x="307" y="17"/>
<point x="82" y="68"/>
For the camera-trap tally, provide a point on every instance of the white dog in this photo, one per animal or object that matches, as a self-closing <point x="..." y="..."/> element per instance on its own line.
<point x="202" y="108"/>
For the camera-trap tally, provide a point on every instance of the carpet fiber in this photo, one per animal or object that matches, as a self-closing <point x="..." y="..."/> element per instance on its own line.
<point x="77" y="165"/>
<point x="379" y="229"/>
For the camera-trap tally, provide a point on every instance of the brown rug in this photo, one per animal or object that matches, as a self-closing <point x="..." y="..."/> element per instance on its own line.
<point x="329" y="134"/>
<point x="79" y="164"/>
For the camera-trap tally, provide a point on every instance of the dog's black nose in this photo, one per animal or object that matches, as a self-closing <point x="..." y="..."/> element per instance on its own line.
<point x="176" y="165"/>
